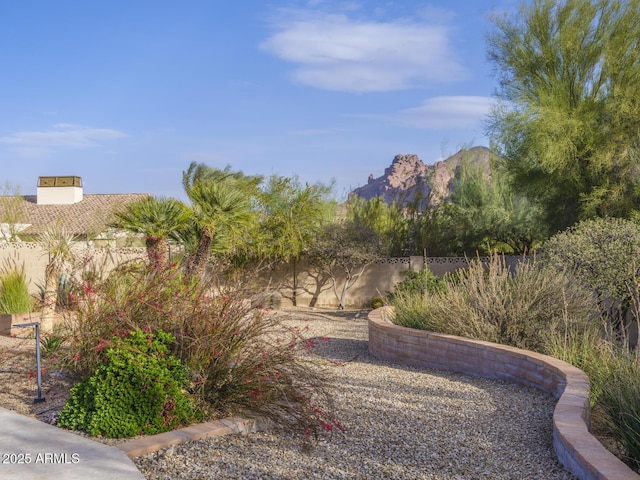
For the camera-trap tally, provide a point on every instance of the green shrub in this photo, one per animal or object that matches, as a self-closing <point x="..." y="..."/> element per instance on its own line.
<point x="603" y="254"/>
<point x="14" y="292"/>
<point x="52" y="342"/>
<point x="418" y="282"/>
<point x="64" y="294"/>
<point x="525" y="309"/>
<point x="619" y="400"/>
<point x="411" y="310"/>
<point x="139" y="389"/>
<point x="377" y="302"/>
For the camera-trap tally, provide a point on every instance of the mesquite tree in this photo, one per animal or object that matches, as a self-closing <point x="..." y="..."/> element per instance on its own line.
<point x="342" y="251"/>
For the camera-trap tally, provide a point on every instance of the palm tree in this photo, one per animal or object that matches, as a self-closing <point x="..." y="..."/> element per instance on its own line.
<point x="158" y="219"/>
<point x="221" y="210"/>
<point x="202" y="173"/>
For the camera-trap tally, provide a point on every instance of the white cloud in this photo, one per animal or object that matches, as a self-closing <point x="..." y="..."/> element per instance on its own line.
<point x="447" y="112"/>
<point x="334" y="52"/>
<point x="62" y="135"/>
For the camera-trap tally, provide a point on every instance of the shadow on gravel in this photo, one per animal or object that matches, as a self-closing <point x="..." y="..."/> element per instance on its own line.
<point x="340" y="349"/>
<point x="328" y="313"/>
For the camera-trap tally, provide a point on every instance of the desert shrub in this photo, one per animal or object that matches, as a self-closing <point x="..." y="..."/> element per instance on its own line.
<point x="418" y="282"/>
<point x="411" y="310"/>
<point x="239" y="358"/>
<point x="14" y="292"/>
<point x="52" y="342"/>
<point x="614" y="377"/>
<point x="377" y="302"/>
<point x="619" y="402"/>
<point x="138" y="389"/>
<point x="543" y="308"/>
<point x="64" y="294"/>
<point x="602" y="253"/>
<point x="525" y="308"/>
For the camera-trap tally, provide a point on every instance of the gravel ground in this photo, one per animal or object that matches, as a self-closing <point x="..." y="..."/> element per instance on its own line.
<point x="401" y="423"/>
<point x="18" y="384"/>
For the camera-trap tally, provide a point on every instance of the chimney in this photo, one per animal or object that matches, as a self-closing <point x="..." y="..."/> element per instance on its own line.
<point x="59" y="190"/>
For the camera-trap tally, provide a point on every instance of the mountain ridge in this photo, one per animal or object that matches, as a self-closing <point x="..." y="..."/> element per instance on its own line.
<point x="408" y="178"/>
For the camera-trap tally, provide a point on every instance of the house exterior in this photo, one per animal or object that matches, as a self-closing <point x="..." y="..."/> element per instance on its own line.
<point x="61" y="203"/>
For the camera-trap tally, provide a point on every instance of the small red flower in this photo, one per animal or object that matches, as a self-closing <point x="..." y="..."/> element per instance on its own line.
<point x="327" y="426"/>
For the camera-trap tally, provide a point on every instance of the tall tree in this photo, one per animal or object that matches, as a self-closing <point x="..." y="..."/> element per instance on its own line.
<point x="222" y="202"/>
<point x="290" y="214"/>
<point x="343" y="251"/>
<point x="221" y="211"/>
<point x="569" y="124"/>
<point x="158" y="219"/>
<point x="388" y="220"/>
<point x="489" y="214"/>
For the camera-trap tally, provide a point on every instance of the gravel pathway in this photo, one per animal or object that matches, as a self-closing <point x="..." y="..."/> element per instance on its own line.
<point x="401" y="423"/>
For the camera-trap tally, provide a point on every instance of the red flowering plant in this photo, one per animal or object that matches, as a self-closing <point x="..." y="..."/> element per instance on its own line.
<point x="238" y="359"/>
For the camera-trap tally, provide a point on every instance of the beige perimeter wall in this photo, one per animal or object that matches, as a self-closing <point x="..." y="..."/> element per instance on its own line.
<point x="379" y="278"/>
<point x="311" y="288"/>
<point x="34" y="259"/>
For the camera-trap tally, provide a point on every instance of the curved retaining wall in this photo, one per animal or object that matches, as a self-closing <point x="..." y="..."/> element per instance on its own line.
<point x="579" y="451"/>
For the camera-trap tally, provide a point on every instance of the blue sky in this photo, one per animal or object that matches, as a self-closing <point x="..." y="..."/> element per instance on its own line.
<point x="126" y="93"/>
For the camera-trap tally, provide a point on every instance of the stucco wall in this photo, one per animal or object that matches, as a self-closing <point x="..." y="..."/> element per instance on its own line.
<point x="34" y="259"/>
<point x="311" y="289"/>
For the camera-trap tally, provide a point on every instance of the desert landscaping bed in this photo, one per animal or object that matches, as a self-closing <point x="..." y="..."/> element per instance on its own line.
<point x="400" y="422"/>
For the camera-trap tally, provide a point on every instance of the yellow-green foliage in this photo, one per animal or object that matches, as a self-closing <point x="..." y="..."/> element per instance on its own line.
<point x="525" y="308"/>
<point x="14" y="292"/>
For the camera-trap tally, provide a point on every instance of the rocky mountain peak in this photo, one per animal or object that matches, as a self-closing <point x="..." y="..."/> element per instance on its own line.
<point x="408" y="178"/>
<point x="402" y="168"/>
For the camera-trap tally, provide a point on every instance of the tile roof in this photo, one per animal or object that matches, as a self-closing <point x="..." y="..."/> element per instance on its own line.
<point x="89" y="216"/>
